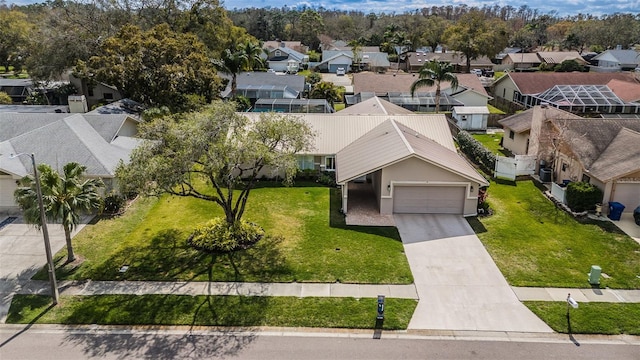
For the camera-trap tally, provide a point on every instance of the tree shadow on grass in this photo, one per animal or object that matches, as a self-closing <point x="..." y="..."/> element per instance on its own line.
<point x="197" y="312"/>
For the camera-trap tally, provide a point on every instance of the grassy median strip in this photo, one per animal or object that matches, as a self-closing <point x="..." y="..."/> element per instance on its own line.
<point x="535" y="244"/>
<point x="210" y="311"/>
<point x="589" y="318"/>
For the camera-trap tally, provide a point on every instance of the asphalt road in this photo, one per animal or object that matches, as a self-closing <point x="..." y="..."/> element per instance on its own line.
<point x="45" y="343"/>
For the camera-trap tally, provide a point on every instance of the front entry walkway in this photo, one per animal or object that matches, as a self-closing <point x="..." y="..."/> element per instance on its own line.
<point x="459" y="285"/>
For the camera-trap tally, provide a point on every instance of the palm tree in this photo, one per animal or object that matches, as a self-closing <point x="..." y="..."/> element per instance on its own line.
<point x="325" y="90"/>
<point x="232" y="63"/>
<point x="64" y="198"/>
<point x="435" y="72"/>
<point x="252" y="59"/>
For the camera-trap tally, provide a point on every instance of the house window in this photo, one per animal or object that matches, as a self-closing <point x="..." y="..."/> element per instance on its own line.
<point x="511" y="134"/>
<point x="330" y="163"/>
<point x="585" y="178"/>
<point x="305" y="162"/>
<point x="565" y="166"/>
<point x="277" y="53"/>
<point x="108" y="96"/>
<point x="90" y="91"/>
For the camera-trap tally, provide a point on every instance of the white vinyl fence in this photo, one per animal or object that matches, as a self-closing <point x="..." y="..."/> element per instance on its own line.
<point x="508" y="168"/>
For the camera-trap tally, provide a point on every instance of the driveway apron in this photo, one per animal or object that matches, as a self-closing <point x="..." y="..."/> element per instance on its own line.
<point x="459" y="285"/>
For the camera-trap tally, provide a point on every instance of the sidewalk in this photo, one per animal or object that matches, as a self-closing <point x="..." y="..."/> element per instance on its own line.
<point x="84" y="288"/>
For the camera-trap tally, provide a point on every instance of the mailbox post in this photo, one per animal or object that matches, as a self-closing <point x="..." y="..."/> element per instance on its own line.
<point x="380" y="315"/>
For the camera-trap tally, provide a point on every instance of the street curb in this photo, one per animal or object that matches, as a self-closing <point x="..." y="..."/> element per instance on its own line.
<point x="463" y="335"/>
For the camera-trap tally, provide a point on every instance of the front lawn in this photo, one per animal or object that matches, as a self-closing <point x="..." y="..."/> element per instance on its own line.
<point x="308" y="242"/>
<point x="535" y="244"/>
<point x="589" y="318"/>
<point x="210" y="311"/>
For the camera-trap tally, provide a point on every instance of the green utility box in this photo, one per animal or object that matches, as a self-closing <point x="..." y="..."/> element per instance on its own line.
<point x="594" y="275"/>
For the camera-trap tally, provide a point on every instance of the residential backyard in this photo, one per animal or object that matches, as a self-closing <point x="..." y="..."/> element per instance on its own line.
<point x="536" y="244"/>
<point x="307" y="241"/>
<point x="492" y="142"/>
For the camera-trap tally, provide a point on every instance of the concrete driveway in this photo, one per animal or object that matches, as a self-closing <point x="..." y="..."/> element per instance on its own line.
<point x="459" y="285"/>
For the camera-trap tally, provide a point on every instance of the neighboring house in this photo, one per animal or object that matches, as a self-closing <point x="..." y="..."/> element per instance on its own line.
<point x="604" y="152"/>
<point x="471" y="117"/>
<point x="265" y="85"/>
<point x="506" y="51"/>
<point x="529" y="61"/>
<point x="284" y="59"/>
<point x="409" y="160"/>
<point x="94" y="140"/>
<point x="616" y="60"/>
<point x="415" y="60"/>
<point x="35" y="108"/>
<point x="295" y="45"/>
<point x="96" y="94"/>
<point x="332" y="60"/>
<point x="521" y="61"/>
<point x="367" y="59"/>
<point x="396" y="89"/>
<point x="517" y="129"/>
<point x="526" y="89"/>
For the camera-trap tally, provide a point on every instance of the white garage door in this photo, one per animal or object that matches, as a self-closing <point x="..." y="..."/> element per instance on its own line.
<point x="628" y="194"/>
<point x="428" y="199"/>
<point x="7" y="187"/>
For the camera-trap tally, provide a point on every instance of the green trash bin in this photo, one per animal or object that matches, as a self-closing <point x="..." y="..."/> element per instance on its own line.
<point x="594" y="275"/>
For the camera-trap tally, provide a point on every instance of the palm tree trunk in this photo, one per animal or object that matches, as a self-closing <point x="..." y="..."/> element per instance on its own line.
<point x="67" y="235"/>
<point x="437" y="99"/>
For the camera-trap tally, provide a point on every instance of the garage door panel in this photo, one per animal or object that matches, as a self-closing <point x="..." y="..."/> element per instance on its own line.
<point x="429" y="199"/>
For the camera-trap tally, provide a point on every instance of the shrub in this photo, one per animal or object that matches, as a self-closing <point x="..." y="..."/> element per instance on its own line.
<point x="476" y="152"/>
<point x="327" y="178"/>
<point x="216" y="236"/>
<point x="113" y="204"/>
<point x="582" y="196"/>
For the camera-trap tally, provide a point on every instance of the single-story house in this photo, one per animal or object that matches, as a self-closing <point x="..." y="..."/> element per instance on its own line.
<point x="409" y="161"/>
<point x="526" y="61"/>
<point x="471" y="117"/>
<point x="295" y="45"/>
<point x="396" y="88"/>
<point x="576" y="91"/>
<point x="265" y="85"/>
<point x="332" y="60"/>
<point x="604" y="152"/>
<point x="521" y="61"/>
<point x="97" y="141"/>
<point x="415" y="60"/>
<point x="616" y="60"/>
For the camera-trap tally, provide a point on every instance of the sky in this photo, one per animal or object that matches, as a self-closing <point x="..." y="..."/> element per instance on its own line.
<point x="560" y="7"/>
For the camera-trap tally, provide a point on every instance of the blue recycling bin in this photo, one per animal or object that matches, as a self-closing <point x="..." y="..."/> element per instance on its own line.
<point x="615" y="210"/>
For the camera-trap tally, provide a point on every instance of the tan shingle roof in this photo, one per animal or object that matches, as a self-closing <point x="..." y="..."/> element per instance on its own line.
<point x="620" y="158"/>
<point x="589" y="139"/>
<point x="391" y="142"/>
<point x="557" y="57"/>
<point x="521" y="122"/>
<point x="535" y="83"/>
<point x="401" y="82"/>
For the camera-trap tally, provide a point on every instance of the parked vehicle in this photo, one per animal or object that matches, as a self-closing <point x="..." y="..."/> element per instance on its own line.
<point x="341" y="72"/>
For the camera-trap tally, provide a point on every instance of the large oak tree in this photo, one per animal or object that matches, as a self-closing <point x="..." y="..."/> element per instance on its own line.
<point x="215" y="155"/>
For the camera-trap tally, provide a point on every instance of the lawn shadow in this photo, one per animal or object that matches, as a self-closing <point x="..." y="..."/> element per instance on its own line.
<point x="39" y="301"/>
<point x="152" y="342"/>
<point x="476" y="224"/>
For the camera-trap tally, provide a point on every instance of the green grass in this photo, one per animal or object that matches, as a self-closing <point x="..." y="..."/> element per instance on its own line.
<point x="491" y="142"/>
<point x="535" y="244"/>
<point x="495" y="110"/>
<point x="210" y="311"/>
<point x="308" y="242"/>
<point x="589" y="318"/>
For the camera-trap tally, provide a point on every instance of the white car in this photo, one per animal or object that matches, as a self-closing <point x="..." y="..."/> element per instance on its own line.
<point x="340" y="72"/>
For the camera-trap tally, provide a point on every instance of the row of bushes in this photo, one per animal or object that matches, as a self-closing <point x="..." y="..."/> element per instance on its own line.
<point x="476" y="152"/>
